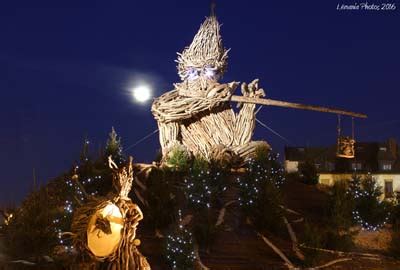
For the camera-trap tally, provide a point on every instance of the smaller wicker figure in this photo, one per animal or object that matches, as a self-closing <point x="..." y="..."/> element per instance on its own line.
<point x="105" y="229"/>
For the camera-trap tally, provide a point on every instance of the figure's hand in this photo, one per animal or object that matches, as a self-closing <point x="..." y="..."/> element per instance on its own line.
<point x="252" y="90"/>
<point x="221" y="90"/>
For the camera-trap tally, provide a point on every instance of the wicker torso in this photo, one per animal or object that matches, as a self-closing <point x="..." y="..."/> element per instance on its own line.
<point x="204" y="123"/>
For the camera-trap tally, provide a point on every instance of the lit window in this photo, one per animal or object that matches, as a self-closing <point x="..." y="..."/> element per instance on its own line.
<point x="386" y="167"/>
<point x="382" y="149"/>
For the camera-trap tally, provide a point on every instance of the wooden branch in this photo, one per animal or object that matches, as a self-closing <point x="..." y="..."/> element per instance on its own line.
<point x="272" y="102"/>
<point x="221" y="214"/>
<point x="298" y="220"/>
<point x="290" y="210"/>
<point x="186" y="220"/>
<point x="293" y="237"/>
<point x="140" y="197"/>
<point x="200" y="264"/>
<point x="341" y="253"/>
<point x="70" y="234"/>
<point x="332" y="263"/>
<point x="276" y="250"/>
<point x="140" y="184"/>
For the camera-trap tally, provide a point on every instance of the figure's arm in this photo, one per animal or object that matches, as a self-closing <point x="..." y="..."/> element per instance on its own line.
<point x="169" y="134"/>
<point x="245" y="119"/>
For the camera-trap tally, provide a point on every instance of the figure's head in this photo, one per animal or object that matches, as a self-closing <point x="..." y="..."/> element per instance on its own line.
<point x="206" y="57"/>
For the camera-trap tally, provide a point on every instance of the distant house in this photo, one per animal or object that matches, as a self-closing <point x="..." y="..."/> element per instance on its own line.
<point x="2" y="219"/>
<point x="380" y="159"/>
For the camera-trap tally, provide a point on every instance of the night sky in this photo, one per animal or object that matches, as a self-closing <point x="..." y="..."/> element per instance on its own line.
<point x="65" y="72"/>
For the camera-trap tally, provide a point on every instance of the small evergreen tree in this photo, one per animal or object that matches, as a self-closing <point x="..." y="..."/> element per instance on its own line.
<point x="395" y="242"/>
<point x="39" y="223"/>
<point x="259" y="194"/>
<point x="178" y="158"/>
<point x="312" y="236"/>
<point x="370" y="212"/>
<point x="355" y="187"/>
<point x="180" y="248"/>
<point x="31" y="233"/>
<point x="203" y="184"/>
<point x="340" y="207"/>
<point x="308" y="172"/>
<point x="161" y="198"/>
<point x="114" y="147"/>
<point x="203" y="188"/>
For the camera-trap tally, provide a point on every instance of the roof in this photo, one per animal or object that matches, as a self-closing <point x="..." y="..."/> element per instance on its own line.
<point x="385" y="152"/>
<point x="370" y="154"/>
<point x="302" y="153"/>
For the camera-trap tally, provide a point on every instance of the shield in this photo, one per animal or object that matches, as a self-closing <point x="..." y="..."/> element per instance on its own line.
<point x="104" y="231"/>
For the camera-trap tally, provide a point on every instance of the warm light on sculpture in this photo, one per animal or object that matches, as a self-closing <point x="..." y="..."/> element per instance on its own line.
<point x="105" y="228"/>
<point x="104" y="231"/>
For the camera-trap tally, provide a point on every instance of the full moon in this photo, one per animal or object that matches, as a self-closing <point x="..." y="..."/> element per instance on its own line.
<point x="142" y="93"/>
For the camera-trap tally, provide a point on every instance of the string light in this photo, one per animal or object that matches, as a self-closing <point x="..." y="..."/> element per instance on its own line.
<point x="258" y="173"/>
<point x="355" y="190"/>
<point x="180" y="247"/>
<point x="201" y="187"/>
<point x="366" y="226"/>
<point x="66" y="217"/>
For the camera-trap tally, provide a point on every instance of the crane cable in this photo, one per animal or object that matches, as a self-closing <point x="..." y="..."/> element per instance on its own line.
<point x="142" y="139"/>
<point x="273" y="131"/>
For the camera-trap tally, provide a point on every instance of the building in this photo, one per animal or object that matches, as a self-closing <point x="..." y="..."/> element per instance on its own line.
<point x="381" y="159"/>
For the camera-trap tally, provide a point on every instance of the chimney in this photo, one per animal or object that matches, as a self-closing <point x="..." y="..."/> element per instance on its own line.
<point x="392" y="144"/>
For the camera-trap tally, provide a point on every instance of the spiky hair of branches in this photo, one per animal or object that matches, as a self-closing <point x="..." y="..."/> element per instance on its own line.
<point x="122" y="178"/>
<point x="206" y="50"/>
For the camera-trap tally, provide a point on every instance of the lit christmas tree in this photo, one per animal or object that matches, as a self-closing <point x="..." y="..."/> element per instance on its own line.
<point x="114" y="147"/>
<point x="180" y="248"/>
<point x="90" y="177"/>
<point x="203" y="185"/>
<point x="371" y="213"/>
<point x="259" y="191"/>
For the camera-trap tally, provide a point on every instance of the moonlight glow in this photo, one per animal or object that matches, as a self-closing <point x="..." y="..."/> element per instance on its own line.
<point x="142" y="93"/>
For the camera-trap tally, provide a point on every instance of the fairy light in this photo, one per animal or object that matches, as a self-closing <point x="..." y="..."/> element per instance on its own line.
<point x="65" y="218"/>
<point x="355" y="190"/>
<point x="180" y="247"/>
<point x="257" y="175"/>
<point x="201" y="187"/>
<point x="367" y="226"/>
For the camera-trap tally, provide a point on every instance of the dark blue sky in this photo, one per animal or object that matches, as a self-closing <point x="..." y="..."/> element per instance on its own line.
<point x="65" y="67"/>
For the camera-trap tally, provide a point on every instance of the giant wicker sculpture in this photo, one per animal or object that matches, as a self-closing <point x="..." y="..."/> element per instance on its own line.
<point x="197" y="114"/>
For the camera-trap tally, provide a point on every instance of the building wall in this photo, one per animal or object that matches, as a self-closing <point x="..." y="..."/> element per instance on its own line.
<point x="330" y="178"/>
<point x="291" y="166"/>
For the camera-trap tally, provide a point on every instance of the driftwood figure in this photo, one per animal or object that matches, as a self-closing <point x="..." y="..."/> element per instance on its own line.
<point x="197" y="115"/>
<point x="345" y="147"/>
<point x="106" y="229"/>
